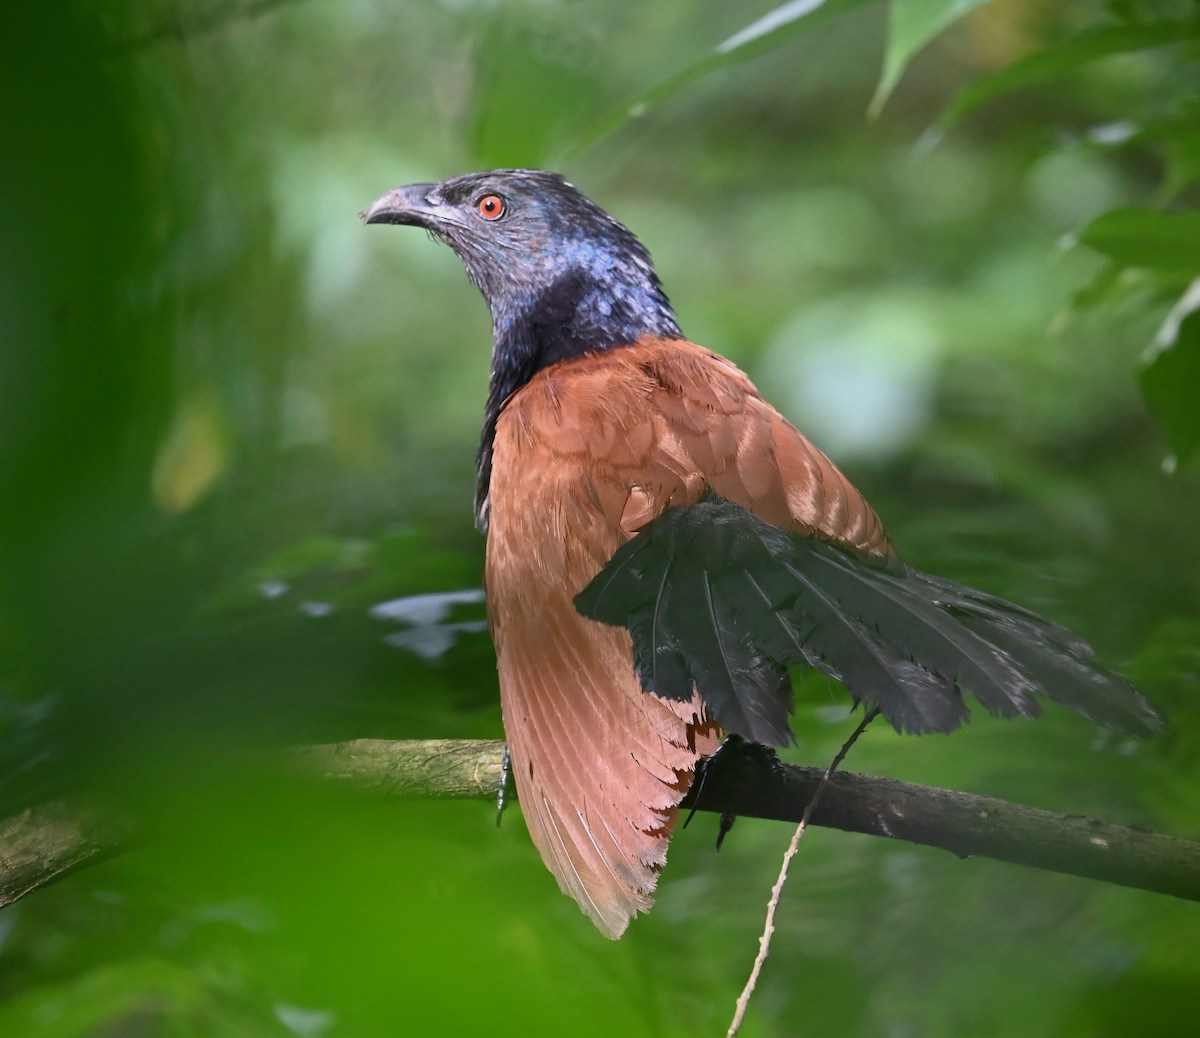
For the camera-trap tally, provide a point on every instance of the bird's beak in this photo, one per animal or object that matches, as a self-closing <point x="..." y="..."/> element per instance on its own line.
<point x="406" y="205"/>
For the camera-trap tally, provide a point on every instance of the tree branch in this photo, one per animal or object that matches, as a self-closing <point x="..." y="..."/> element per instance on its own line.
<point x="967" y="825"/>
<point x="45" y="842"/>
<point x="41" y="844"/>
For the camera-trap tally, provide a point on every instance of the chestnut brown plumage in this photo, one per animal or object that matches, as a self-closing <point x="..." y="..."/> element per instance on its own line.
<point x="662" y="544"/>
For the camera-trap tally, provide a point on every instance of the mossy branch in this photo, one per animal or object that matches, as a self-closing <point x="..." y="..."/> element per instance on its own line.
<point x="43" y="843"/>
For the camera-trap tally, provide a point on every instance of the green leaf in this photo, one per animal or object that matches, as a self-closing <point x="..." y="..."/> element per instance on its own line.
<point x="1171" y="381"/>
<point x="1183" y="155"/>
<point x="771" y="30"/>
<point x="1147" y="238"/>
<point x="1106" y="286"/>
<point x="913" y="23"/>
<point x="1062" y="59"/>
<point x="514" y="65"/>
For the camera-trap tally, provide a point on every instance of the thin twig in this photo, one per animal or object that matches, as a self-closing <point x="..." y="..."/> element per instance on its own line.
<point x="764" y="942"/>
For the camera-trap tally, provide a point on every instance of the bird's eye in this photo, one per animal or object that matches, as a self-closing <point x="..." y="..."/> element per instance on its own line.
<point x="491" y="207"/>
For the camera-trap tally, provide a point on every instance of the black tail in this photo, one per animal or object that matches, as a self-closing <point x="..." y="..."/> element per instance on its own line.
<point x="715" y="597"/>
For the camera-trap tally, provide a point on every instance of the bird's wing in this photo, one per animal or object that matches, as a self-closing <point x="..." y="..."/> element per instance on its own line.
<point x="654" y="425"/>
<point x="713" y="430"/>
<point x="585" y="455"/>
<point x="776" y="560"/>
<point x="599" y="765"/>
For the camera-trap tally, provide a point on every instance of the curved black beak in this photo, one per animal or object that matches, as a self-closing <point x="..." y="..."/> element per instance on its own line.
<point x="404" y="205"/>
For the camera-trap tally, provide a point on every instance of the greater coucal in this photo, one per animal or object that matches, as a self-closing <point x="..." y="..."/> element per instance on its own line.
<point x="662" y="544"/>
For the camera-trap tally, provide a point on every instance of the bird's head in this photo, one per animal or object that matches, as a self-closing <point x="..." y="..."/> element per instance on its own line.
<point x="560" y="275"/>
<point x="562" y="278"/>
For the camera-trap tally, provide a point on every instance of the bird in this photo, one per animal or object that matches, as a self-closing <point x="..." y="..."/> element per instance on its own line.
<point x="662" y="545"/>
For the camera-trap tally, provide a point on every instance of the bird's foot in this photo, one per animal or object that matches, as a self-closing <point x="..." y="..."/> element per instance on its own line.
<point x="502" y="793"/>
<point x="737" y="765"/>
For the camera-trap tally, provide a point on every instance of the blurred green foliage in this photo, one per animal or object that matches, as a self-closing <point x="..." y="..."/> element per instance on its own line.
<point x="233" y="422"/>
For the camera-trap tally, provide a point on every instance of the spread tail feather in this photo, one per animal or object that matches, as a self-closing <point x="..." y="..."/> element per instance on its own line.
<point x="719" y="600"/>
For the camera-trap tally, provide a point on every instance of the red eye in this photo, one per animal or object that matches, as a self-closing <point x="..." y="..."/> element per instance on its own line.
<point x="491" y="207"/>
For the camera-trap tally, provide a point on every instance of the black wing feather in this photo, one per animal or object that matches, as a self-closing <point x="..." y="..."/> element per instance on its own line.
<point x="718" y="600"/>
<point x="1061" y="662"/>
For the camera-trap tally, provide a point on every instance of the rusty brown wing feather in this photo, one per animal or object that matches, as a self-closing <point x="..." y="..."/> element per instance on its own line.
<point x="724" y="435"/>
<point x="782" y="562"/>
<point x="585" y="455"/>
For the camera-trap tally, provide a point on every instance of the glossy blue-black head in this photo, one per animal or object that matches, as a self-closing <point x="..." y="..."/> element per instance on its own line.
<point x="559" y="274"/>
<point x="562" y="278"/>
